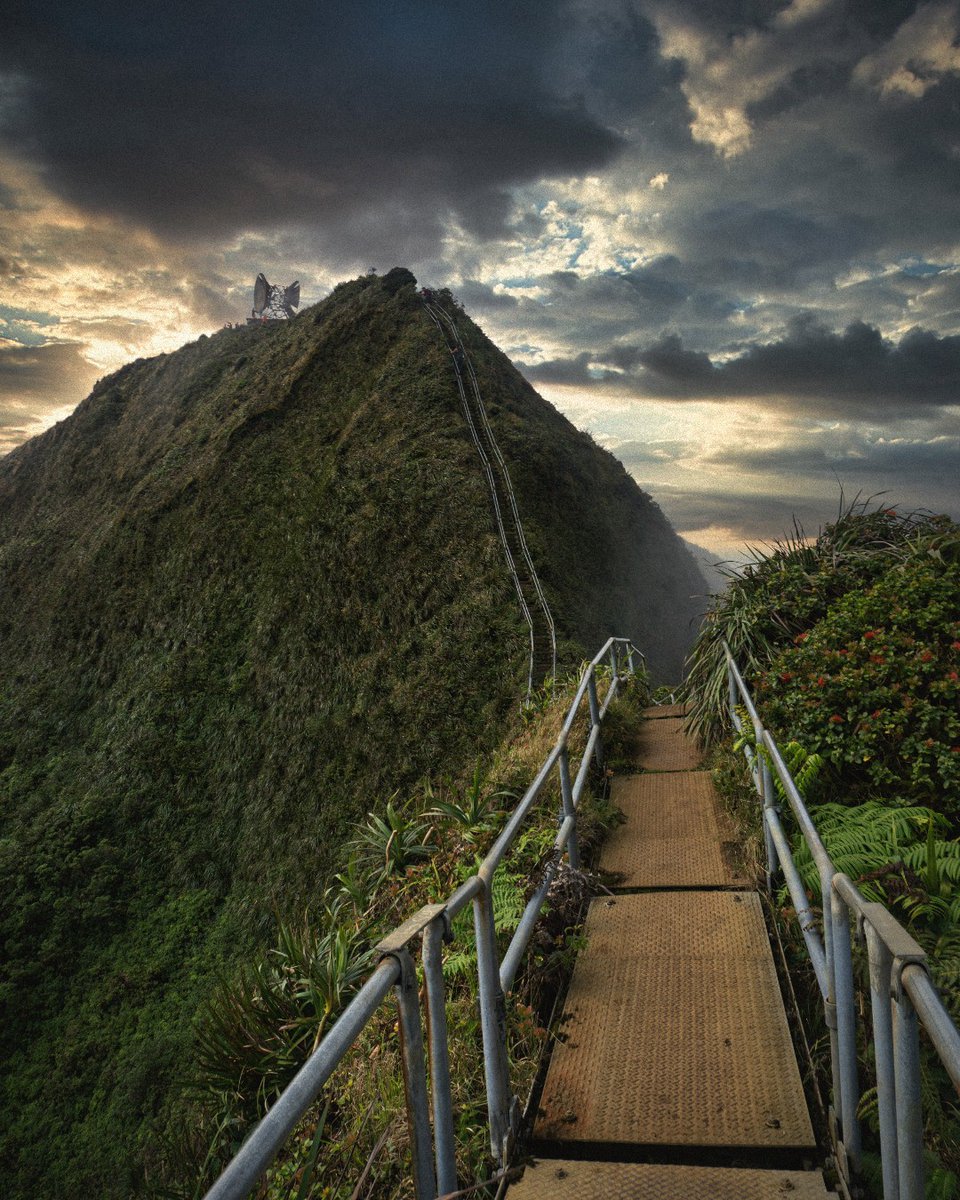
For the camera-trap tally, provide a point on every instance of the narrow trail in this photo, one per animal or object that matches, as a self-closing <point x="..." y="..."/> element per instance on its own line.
<point x="533" y="602"/>
<point x="675" y="1077"/>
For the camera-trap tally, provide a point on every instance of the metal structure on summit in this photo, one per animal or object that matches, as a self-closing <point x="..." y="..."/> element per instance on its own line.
<point x="272" y="302"/>
<point x="533" y="602"/>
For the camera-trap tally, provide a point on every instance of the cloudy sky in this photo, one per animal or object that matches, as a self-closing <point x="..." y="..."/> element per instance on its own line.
<point x="723" y="236"/>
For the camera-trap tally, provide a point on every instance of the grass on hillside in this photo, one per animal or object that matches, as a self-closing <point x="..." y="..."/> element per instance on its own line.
<point x="252" y="589"/>
<point x="260" y="1025"/>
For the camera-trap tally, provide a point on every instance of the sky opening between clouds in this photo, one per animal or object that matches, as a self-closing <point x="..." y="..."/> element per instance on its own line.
<point x="722" y="237"/>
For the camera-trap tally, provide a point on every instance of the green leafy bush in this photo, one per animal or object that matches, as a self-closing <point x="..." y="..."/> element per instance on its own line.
<point x="787" y="588"/>
<point x="874" y="687"/>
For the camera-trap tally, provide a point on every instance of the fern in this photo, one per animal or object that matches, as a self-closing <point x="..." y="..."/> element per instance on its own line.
<point x="460" y="963"/>
<point x="806" y="769"/>
<point x="864" y="840"/>
<point x="508" y="906"/>
<point x="508" y="902"/>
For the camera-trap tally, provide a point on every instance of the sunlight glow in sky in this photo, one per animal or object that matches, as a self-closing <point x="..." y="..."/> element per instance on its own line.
<point x="723" y="238"/>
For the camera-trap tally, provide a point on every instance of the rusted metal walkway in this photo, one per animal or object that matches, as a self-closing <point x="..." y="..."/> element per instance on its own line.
<point x="675" y="1077"/>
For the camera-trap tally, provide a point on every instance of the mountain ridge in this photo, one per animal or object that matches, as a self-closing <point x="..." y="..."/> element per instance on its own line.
<point x="252" y="589"/>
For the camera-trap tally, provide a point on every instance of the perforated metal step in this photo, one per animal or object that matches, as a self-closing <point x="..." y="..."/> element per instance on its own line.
<point x="561" y="1179"/>
<point x="675" y="833"/>
<point x="662" y="745"/>
<point x="675" y="1032"/>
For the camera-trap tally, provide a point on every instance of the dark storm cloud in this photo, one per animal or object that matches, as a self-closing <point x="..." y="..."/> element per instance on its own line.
<point x="565" y="371"/>
<point x="728" y="18"/>
<point x="592" y="310"/>
<point x="750" y="245"/>
<point x="667" y="359"/>
<point x="200" y="119"/>
<point x="857" y="371"/>
<point x="612" y="55"/>
<point x="35" y="381"/>
<point x="810" y="81"/>
<point x="893" y="459"/>
<point x="858" y="366"/>
<point x="808" y="475"/>
<point x="881" y="20"/>
<point x="480" y="297"/>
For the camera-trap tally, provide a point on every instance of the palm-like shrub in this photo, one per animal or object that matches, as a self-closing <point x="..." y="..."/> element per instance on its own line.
<point x="258" y="1029"/>
<point x="395" y="841"/>
<point x="474" y="815"/>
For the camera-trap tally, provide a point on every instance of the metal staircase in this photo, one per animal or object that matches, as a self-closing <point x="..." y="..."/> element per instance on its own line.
<point x="675" y="1077"/>
<point x="533" y="602"/>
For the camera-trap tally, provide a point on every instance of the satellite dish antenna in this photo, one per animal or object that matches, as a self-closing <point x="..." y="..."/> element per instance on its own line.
<point x="261" y="294"/>
<point x="273" y="303"/>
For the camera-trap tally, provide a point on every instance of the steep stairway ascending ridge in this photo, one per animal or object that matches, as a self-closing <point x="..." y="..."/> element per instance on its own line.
<point x="676" y="1077"/>
<point x="533" y="602"/>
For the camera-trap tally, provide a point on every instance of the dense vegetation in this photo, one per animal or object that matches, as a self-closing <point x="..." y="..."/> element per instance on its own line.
<point x="257" y="1029"/>
<point x="851" y="646"/>
<point x="252" y="590"/>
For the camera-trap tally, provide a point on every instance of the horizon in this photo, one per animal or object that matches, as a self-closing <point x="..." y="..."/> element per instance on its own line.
<point x="723" y="242"/>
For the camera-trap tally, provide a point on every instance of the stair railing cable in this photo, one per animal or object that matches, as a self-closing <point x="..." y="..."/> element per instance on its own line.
<point x="488" y="429"/>
<point x="508" y="484"/>
<point x="430" y="1108"/>
<point x="433" y="310"/>
<point x="902" y="994"/>
<point x="439" y="316"/>
<point x="510" y="494"/>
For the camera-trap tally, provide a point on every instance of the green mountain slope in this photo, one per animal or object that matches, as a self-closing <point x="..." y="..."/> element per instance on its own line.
<point x="250" y="589"/>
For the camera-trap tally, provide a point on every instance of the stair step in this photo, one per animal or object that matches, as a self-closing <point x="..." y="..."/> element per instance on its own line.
<point x="676" y="1034"/>
<point x="564" y="1179"/>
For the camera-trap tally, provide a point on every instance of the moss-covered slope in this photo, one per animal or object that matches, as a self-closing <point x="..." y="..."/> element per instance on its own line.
<point x="249" y="590"/>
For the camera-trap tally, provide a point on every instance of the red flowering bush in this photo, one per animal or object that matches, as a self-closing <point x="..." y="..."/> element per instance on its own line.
<point x="777" y="598"/>
<point x="874" y="687"/>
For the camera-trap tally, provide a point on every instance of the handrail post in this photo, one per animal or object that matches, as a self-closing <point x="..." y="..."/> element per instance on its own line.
<point x="830" y="998"/>
<point x="614" y="661"/>
<point x="566" y="791"/>
<point x="769" y="803"/>
<point x="595" y="715"/>
<point x="881" y="961"/>
<point x="415" y="1077"/>
<point x="630" y="664"/>
<point x="846" y="1025"/>
<point x="444" y="1141"/>
<point x="909" y="1112"/>
<point x="493" y="1023"/>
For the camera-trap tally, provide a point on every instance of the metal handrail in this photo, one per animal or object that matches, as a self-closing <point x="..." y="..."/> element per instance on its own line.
<point x="902" y="995"/>
<point x="433" y="311"/>
<point x="442" y="318"/>
<point x="512" y="500"/>
<point x="433" y="1153"/>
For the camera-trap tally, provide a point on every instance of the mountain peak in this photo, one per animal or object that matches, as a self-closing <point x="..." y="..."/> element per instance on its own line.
<point x="252" y="589"/>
